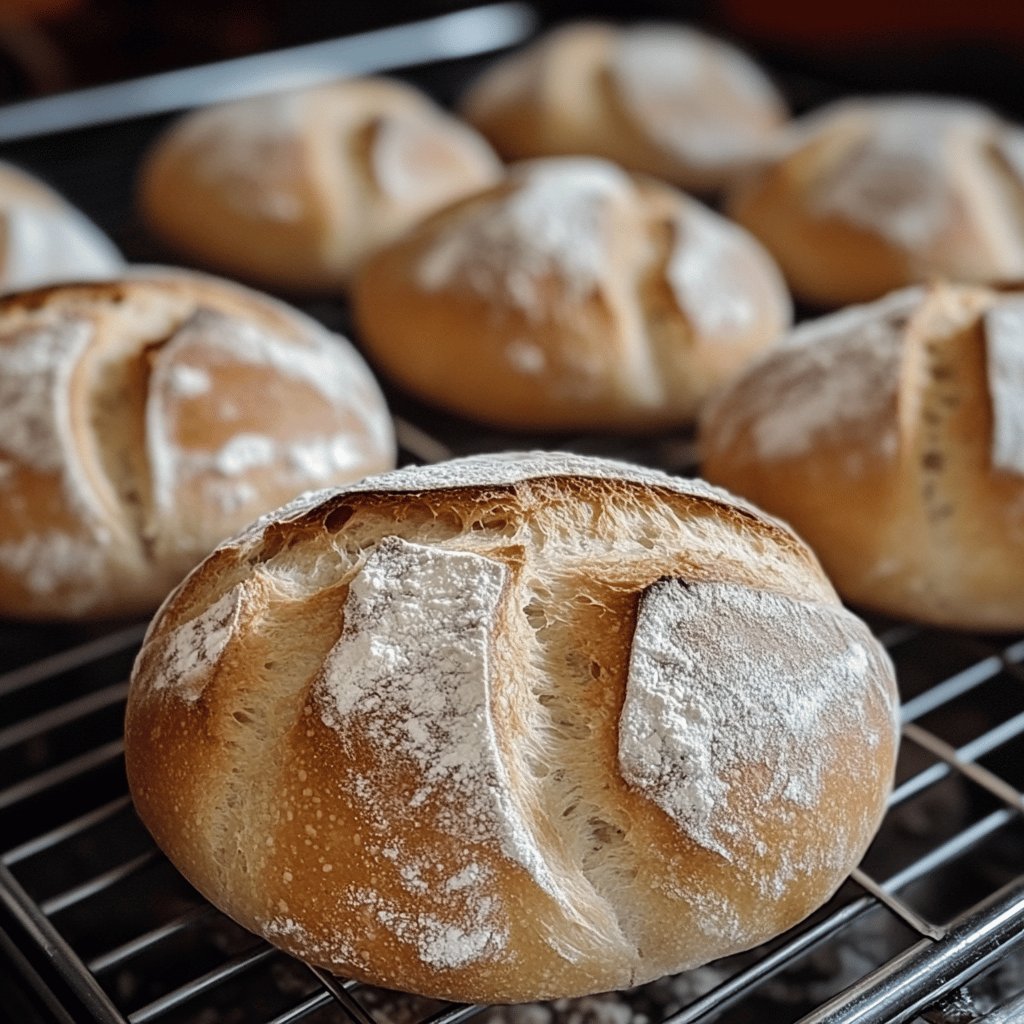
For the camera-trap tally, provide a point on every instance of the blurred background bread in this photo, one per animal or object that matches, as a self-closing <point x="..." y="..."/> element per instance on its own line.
<point x="571" y="295"/>
<point x="891" y="437"/>
<point x="44" y="239"/>
<point x="511" y="728"/>
<point x="874" y="194"/>
<point x="660" y="98"/>
<point x="144" y="419"/>
<point x="292" y="190"/>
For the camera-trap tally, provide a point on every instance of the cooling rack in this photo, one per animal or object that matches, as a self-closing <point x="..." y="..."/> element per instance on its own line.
<point x="98" y="927"/>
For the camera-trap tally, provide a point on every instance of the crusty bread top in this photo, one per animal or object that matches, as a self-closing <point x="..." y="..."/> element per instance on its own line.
<point x="917" y="171"/>
<point x="438" y="712"/>
<point x="142" y="420"/>
<point x="660" y="98"/>
<point x="297" y="187"/>
<point x="849" y="379"/>
<point x="595" y="297"/>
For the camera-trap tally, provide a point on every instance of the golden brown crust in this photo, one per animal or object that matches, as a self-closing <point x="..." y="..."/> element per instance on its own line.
<point x="660" y="99"/>
<point x="293" y="190"/>
<point x="902" y="499"/>
<point x="238" y="765"/>
<point x="871" y="195"/>
<point x="132" y="442"/>
<point x="571" y="296"/>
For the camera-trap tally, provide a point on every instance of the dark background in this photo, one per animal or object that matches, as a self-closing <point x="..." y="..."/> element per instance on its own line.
<point x="973" y="48"/>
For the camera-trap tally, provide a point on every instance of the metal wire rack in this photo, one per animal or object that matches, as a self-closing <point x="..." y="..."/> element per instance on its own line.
<point x="100" y="928"/>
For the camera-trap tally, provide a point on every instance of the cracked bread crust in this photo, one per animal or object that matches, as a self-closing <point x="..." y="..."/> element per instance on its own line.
<point x="294" y="189"/>
<point x="131" y="440"/>
<point x="385" y="729"/>
<point x="570" y="296"/>
<point x="891" y="436"/>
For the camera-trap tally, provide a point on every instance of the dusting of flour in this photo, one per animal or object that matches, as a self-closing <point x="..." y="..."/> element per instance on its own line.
<point x="835" y="377"/>
<point x="1004" y="342"/>
<point x="710" y="689"/>
<point x="411" y="674"/>
<point x="188" y="656"/>
<point x="552" y="224"/>
<point x="899" y="178"/>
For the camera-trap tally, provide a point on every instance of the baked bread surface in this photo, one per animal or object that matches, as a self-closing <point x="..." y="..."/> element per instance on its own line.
<point x="293" y="189"/>
<point x="871" y="195"/>
<point x="570" y="296"/>
<point x="145" y="419"/>
<point x="891" y="436"/>
<point x="662" y="99"/>
<point x="512" y="728"/>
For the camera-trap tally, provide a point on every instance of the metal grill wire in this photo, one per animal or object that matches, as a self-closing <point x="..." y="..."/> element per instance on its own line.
<point x="121" y="937"/>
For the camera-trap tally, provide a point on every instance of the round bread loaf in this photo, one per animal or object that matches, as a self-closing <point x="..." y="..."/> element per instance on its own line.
<point x="512" y="728"/>
<point x="294" y="189"/>
<point x="657" y="98"/>
<point x="875" y="194"/>
<point x="572" y="295"/>
<point x="891" y="436"/>
<point x="43" y="239"/>
<point x="143" y="420"/>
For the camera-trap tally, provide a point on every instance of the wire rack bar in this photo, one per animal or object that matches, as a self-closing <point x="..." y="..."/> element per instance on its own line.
<point x="443" y="37"/>
<point x="975" y="772"/>
<point x="64" y="772"/>
<point x="60" y="957"/>
<point x="734" y="988"/>
<point x="418" y="442"/>
<point x="897" y="906"/>
<point x="949" y="850"/>
<point x="455" y="1014"/>
<point x="119" y="954"/>
<point x="339" y="990"/>
<point x="951" y="688"/>
<point x="916" y="979"/>
<point x="1010" y="1013"/>
<point x="74" y="657"/>
<point x="235" y="966"/>
<point x="63" y="714"/>
<point x="98" y="883"/>
<point x="310" y="1005"/>
<point x="62" y="833"/>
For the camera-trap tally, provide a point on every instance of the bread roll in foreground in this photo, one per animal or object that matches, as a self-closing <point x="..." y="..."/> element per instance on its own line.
<point x="571" y="296"/>
<point x="44" y="239"/>
<point x="144" y="420"/>
<point x="512" y="728"/>
<point x="292" y="190"/>
<point x="891" y="436"/>
<point x="659" y="98"/>
<point x="876" y="194"/>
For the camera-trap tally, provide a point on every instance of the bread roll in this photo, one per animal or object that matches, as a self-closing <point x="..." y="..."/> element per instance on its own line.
<point x="876" y="194"/>
<point x="293" y="189"/>
<point x="570" y="296"/>
<point x="659" y="98"/>
<point x="44" y="239"/>
<point x="512" y="728"/>
<point x="891" y="436"/>
<point x="143" y="420"/>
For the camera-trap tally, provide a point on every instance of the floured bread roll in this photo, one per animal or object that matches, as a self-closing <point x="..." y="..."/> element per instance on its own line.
<point x="43" y="239"/>
<point x="572" y="295"/>
<point x="658" y="98"/>
<point x="875" y="194"/>
<point x="512" y="728"/>
<point x="144" y="420"/>
<point x="892" y="437"/>
<point x="294" y="189"/>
